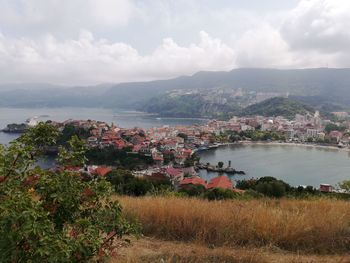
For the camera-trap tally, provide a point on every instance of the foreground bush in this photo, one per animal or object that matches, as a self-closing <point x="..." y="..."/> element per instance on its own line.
<point x="296" y="225"/>
<point x="53" y="216"/>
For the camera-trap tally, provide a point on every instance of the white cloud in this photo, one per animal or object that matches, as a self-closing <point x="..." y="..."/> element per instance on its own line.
<point x="64" y="17"/>
<point x="88" y="41"/>
<point x="263" y="47"/>
<point x="319" y="25"/>
<point x="86" y="60"/>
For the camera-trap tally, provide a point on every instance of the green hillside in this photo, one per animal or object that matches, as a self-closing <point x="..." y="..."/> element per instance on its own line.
<point x="278" y="107"/>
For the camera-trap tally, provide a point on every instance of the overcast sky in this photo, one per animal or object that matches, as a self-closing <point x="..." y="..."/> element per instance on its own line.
<point x="103" y="41"/>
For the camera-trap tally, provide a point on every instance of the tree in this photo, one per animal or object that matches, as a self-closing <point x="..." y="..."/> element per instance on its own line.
<point x="125" y="182"/>
<point x="220" y="164"/>
<point x="272" y="187"/>
<point x="246" y="184"/>
<point x="345" y="185"/>
<point x="74" y="154"/>
<point x="333" y="127"/>
<point x="53" y="216"/>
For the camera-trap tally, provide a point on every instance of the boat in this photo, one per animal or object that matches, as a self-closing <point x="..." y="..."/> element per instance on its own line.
<point x="214" y="146"/>
<point x="202" y="148"/>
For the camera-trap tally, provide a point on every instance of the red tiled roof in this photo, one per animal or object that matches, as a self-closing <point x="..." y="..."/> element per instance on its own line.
<point x="173" y="172"/>
<point x="220" y="182"/>
<point x="102" y="170"/>
<point x="194" y="180"/>
<point x="137" y="148"/>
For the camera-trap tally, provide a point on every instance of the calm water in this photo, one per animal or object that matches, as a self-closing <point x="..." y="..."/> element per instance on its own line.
<point x="296" y="165"/>
<point x="125" y="119"/>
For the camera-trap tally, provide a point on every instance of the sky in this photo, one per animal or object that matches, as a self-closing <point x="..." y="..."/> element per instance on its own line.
<point x="87" y="42"/>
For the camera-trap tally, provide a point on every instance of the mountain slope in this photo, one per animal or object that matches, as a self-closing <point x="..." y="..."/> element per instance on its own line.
<point x="330" y="85"/>
<point x="187" y="106"/>
<point x="334" y="84"/>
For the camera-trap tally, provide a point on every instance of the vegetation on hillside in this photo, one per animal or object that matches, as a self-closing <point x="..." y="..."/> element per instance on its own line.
<point x="196" y="106"/>
<point x="188" y="106"/>
<point x="115" y="157"/>
<point x="277" y="107"/>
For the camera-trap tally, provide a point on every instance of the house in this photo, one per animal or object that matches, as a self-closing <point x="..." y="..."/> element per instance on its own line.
<point x="326" y="188"/>
<point x="189" y="171"/>
<point x="137" y="148"/>
<point x="99" y="170"/>
<point x="157" y="177"/>
<point x="174" y="173"/>
<point x="192" y="181"/>
<point x="158" y="158"/>
<point x="220" y="182"/>
<point x="180" y="158"/>
<point x="335" y="135"/>
<point x="119" y="144"/>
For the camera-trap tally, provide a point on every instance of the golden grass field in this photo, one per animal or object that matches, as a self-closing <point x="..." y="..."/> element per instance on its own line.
<point x="297" y="226"/>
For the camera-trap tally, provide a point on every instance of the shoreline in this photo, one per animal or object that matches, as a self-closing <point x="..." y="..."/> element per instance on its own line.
<point x="274" y="143"/>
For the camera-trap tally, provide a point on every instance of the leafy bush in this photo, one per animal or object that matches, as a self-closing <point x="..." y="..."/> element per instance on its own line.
<point x="271" y="187"/>
<point x="53" y="216"/>
<point x="220" y="194"/>
<point x="193" y="190"/>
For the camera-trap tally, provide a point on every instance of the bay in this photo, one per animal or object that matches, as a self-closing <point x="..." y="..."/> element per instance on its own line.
<point x="296" y="165"/>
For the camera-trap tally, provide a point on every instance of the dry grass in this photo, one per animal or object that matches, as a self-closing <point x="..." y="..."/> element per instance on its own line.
<point x="150" y="250"/>
<point x="320" y="226"/>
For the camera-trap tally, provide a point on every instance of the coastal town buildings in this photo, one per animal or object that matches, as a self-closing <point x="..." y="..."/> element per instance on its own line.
<point x="172" y="147"/>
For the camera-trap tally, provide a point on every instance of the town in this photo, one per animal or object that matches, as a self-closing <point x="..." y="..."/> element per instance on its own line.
<point x="172" y="149"/>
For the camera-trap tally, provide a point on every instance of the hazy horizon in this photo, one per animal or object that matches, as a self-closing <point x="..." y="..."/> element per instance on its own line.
<point x="46" y="85"/>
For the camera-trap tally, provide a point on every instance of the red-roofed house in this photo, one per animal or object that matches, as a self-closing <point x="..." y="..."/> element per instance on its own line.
<point x="119" y="144"/>
<point x="174" y="173"/>
<point x="137" y="148"/>
<point x="220" y="182"/>
<point x="193" y="181"/>
<point x="336" y="135"/>
<point x="102" y="171"/>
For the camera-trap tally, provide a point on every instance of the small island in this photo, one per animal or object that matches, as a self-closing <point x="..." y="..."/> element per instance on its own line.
<point x="15" y="128"/>
<point x="219" y="168"/>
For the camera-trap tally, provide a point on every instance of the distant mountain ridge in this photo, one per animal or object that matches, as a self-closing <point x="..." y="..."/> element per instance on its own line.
<point x="333" y="85"/>
<point x="329" y="86"/>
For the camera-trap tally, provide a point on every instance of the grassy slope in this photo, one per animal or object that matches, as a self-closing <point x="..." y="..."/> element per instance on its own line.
<point x="320" y="226"/>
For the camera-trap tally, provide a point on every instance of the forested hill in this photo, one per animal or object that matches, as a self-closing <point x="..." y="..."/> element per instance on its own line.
<point x="277" y="107"/>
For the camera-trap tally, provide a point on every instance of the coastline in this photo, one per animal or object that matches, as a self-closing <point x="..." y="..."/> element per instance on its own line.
<point x="274" y="143"/>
